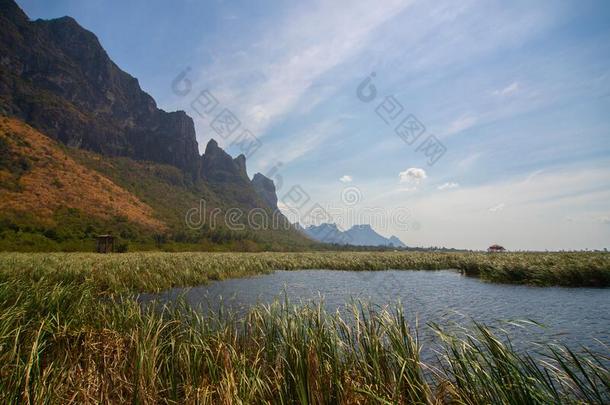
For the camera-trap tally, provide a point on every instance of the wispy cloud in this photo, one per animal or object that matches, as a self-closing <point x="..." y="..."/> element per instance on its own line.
<point x="346" y="179"/>
<point x="497" y="208"/>
<point x="508" y="90"/>
<point x="461" y="123"/>
<point x="447" y="186"/>
<point x="292" y="148"/>
<point x="267" y="80"/>
<point x="469" y="161"/>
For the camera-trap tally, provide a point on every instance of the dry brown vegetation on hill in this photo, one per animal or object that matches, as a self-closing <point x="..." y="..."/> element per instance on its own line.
<point x="41" y="178"/>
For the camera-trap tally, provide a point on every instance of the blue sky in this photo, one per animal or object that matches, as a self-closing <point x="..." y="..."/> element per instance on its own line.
<point x="517" y="92"/>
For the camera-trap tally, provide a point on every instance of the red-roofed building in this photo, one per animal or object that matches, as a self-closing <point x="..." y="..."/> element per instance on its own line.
<point x="496" y="249"/>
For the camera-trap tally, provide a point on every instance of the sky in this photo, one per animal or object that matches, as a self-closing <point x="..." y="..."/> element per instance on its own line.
<point x="481" y="121"/>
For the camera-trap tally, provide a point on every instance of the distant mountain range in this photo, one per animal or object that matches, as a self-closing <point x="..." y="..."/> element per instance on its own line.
<point x="67" y="108"/>
<point x="358" y="235"/>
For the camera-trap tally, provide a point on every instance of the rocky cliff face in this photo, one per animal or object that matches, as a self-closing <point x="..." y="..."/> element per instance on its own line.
<point x="228" y="177"/>
<point x="265" y="188"/>
<point x="56" y="76"/>
<point x="217" y="166"/>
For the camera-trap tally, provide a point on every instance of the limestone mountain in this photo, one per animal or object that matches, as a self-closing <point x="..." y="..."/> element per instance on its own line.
<point x="265" y="188"/>
<point x="394" y="241"/>
<point x="326" y="233"/>
<point x="56" y="77"/>
<point x="228" y="177"/>
<point x="364" y="235"/>
<point x="358" y="235"/>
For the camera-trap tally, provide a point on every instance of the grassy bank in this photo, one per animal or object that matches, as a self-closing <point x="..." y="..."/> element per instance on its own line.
<point x="139" y="272"/>
<point x="71" y="332"/>
<point x="62" y="345"/>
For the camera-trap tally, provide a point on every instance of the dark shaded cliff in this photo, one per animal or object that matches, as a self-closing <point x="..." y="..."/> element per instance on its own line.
<point x="56" y="76"/>
<point x="265" y="189"/>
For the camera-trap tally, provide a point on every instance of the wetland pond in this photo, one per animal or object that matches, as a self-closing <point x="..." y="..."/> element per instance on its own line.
<point x="573" y="316"/>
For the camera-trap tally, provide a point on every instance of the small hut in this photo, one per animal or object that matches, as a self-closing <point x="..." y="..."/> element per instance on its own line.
<point x="496" y="249"/>
<point x="105" y="244"/>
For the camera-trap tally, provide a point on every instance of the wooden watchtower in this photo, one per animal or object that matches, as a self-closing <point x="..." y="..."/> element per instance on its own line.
<point x="105" y="243"/>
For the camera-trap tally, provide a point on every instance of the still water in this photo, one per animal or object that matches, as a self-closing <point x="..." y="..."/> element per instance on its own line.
<point x="575" y="316"/>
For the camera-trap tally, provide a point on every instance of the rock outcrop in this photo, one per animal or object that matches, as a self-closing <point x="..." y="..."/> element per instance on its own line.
<point x="265" y="188"/>
<point x="55" y="75"/>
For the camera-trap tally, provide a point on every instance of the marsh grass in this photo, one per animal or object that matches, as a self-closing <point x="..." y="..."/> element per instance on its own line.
<point x="73" y="331"/>
<point x="64" y="345"/>
<point x="153" y="272"/>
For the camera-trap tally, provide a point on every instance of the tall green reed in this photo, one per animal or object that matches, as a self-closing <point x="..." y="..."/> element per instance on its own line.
<point x="66" y="345"/>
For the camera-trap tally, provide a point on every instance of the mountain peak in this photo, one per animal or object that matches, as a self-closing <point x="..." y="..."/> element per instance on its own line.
<point x="219" y="167"/>
<point x="396" y="242"/>
<point x="362" y="227"/>
<point x="331" y="225"/>
<point x="97" y="106"/>
<point x="12" y="11"/>
<point x="357" y="235"/>
<point x="265" y="188"/>
<point x="211" y="147"/>
<point x="64" y="20"/>
<point x="240" y="161"/>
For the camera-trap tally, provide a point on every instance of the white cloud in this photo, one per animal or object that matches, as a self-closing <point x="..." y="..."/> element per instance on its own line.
<point x="449" y="185"/>
<point x="604" y="220"/>
<point x="346" y="179"/>
<point x="497" y="208"/>
<point x="412" y="175"/>
<point x="462" y="123"/>
<point x="508" y="90"/>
